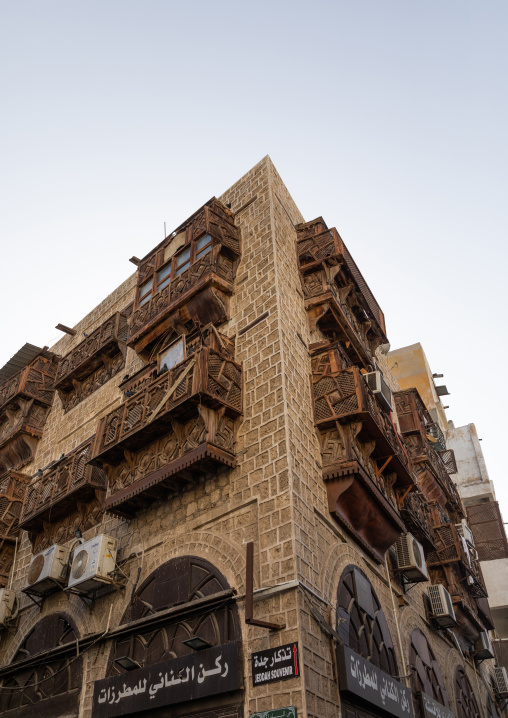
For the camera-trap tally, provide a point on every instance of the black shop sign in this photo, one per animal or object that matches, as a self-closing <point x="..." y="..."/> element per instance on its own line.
<point x="198" y="675"/>
<point x="433" y="709"/>
<point x="275" y="664"/>
<point x="365" y="680"/>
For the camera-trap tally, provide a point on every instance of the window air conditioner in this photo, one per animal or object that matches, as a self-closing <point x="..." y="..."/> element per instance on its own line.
<point x="441" y="606"/>
<point x="464" y="531"/>
<point x="92" y="564"/>
<point x="501" y="677"/>
<point x="411" y="558"/>
<point x="483" y="646"/>
<point x="376" y="382"/>
<point x="48" y="570"/>
<point x="7" y="604"/>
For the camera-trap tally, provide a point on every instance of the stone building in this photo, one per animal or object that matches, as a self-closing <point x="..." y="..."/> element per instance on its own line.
<point x="205" y="500"/>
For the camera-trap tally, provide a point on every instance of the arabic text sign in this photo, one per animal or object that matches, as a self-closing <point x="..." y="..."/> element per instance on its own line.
<point x="275" y="664"/>
<point x="289" y="712"/>
<point x="363" y="679"/>
<point x="203" y="673"/>
<point x="433" y="709"/>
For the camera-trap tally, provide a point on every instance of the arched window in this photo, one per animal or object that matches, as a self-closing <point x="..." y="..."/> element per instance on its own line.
<point x="492" y="711"/>
<point x="361" y="621"/>
<point x="179" y="581"/>
<point x="426" y="676"/>
<point x="51" y="687"/>
<point x="467" y="707"/>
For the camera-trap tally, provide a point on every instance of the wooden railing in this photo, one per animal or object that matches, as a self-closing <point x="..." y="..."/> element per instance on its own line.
<point x="417" y="517"/>
<point x="54" y="494"/>
<point x="206" y="377"/>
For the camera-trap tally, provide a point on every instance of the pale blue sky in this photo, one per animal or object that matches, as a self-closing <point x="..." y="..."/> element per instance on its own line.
<point x="386" y="117"/>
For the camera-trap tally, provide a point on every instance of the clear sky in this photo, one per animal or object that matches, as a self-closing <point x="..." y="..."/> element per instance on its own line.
<point x="389" y="118"/>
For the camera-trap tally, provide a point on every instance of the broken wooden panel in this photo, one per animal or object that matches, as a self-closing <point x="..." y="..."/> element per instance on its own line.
<point x="448" y="458"/>
<point x="345" y="396"/>
<point x="186" y="451"/>
<point x="62" y="484"/>
<point x="206" y="377"/>
<point x="93" y="361"/>
<point x="35" y="381"/>
<point x="21" y="425"/>
<point x="359" y="505"/>
<point x="190" y="275"/>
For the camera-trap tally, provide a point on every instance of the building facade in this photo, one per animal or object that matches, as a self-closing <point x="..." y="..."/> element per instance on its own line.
<point x="206" y="490"/>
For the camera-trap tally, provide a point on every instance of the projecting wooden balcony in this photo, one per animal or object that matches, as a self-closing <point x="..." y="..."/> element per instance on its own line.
<point x="345" y="397"/>
<point x="191" y="279"/>
<point x="35" y="381"/>
<point x="12" y="492"/>
<point x="206" y="377"/>
<point x="418" y="519"/>
<point x="105" y="347"/>
<point x="55" y="494"/>
<point x="21" y="426"/>
<point x="450" y="548"/>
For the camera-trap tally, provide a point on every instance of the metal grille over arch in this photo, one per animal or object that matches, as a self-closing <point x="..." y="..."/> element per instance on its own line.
<point x="426" y="676"/>
<point x="179" y="581"/>
<point x="361" y="621"/>
<point x="465" y="701"/>
<point x="51" y="688"/>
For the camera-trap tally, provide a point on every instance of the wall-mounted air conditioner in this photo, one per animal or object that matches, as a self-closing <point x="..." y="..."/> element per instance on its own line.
<point x="501" y="678"/>
<point x="441" y="606"/>
<point x="93" y="563"/>
<point x="8" y="607"/>
<point x="377" y="384"/>
<point x="48" y="570"/>
<point x="411" y="558"/>
<point x="483" y="646"/>
<point x="464" y="531"/>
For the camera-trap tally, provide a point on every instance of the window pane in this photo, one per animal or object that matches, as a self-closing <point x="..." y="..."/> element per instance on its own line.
<point x="172" y="355"/>
<point x="145" y="288"/>
<point x="182" y="268"/>
<point x="183" y="257"/>
<point x="164" y="272"/>
<point x="203" y="252"/>
<point x="163" y="284"/>
<point x="145" y="299"/>
<point x="203" y="241"/>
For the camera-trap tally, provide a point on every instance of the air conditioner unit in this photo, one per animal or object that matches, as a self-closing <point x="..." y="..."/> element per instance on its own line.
<point x="48" y="570"/>
<point x="92" y="564"/>
<point x="441" y="606"/>
<point x="464" y="531"/>
<point x="501" y="677"/>
<point x="377" y="384"/>
<point x="411" y="558"/>
<point x="483" y="646"/>
<point x="7" y="603"/>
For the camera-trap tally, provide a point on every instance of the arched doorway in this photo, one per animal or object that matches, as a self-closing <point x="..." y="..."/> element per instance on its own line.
<point x="50" y="687"/>
<point x="465" y="700"/>
<point x="426" y="676"/>
<point x="186" y="598"/>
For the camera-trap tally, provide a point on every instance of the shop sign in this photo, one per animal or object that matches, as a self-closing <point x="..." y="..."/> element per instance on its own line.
<point x="289" y="712"/>
<point x="367" y="681"/>
<point x="433" y="709"/>
<point x="275" y="664"/>
<point x="197" y="675"/>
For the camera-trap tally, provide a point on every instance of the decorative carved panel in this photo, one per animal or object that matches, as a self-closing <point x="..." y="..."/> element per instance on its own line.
<point x="21" y="425"/>
<point x="35" y="381"/>
<point x="87" y="515"/>
<point x="65" y="482"/>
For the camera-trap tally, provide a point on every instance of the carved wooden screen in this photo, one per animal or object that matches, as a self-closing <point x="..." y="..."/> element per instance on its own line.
<point x="180" y="580"/>
<point x="361" y="621"/>
<point x="426" y="675"/>
<point x="486" y="524"/>
<point x="52" y="687"/>
<point x="465" y="700"/>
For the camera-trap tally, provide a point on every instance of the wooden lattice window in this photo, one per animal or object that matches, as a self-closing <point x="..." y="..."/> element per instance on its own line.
<point x="361" y="621"/>
<point x="465" y="700"/>
<point x="181" y="580"/>
<point x="52" y="687"/>
<point x="426" y="675"/>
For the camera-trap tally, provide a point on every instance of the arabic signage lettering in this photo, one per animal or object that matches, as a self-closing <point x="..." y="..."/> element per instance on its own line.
<point x="363" y="679"/>
<point x="275" y="664"/>
<point x="433" y="709"/>
<point x="203" y="673"/>
<point x="289" y="712"/>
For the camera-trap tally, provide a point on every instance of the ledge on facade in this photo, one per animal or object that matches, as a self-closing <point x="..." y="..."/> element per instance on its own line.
<point x="360" y="506"/>
<point x="205" y="458"/>
<point x="173" y="289"/>
<point x="96" y="350"/>
<point x="34" y="382"/>
<point x="205" y="378"/>
<point x="65" y="482"/>
<point x="346" y="397"/>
